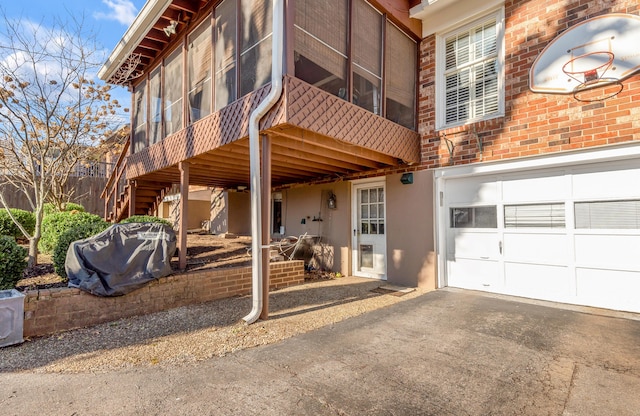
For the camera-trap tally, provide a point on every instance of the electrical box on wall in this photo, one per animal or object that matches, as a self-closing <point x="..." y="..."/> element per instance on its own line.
<point x="407" y="178"/>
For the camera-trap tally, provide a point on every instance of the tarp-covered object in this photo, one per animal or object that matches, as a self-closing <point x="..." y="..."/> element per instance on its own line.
<point x="121" y="259"/>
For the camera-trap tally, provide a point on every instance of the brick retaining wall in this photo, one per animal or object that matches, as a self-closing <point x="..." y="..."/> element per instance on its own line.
<point x="49" y="311"/>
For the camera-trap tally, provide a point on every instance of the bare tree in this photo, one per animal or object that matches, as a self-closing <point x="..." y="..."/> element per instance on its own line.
<point x="52" y="112"/>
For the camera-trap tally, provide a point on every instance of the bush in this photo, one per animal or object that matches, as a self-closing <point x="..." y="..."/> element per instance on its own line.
<point x="57" y="223"/>
<point x="70" y="206"/>
<point x="50" y="208"/>
<point x="8" y="227"/>
<point x="146" y="218"/>
<point x="12" y="262"/>
<point x="69" y="236"/>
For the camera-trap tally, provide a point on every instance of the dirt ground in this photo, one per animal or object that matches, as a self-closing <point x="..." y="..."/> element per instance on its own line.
<point x="203" y="251"/>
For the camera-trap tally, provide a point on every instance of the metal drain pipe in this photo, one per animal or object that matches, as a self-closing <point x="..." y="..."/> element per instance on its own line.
<point x="254" y="159"/>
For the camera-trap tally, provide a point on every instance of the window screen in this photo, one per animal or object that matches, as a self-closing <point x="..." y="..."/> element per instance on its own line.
<point x="173" y="92"/>
<point x="255" y="45"/>
<point x="534" y="216"/>
<point x="140" y="117"/>
<point x="400" y="77"/>
<point x="199" y="67"/>
<point x="155" y="106"/>
<point x="225" y="53"/>
<point x="471" y="79"/>
<point x="367" y="56"/>
<point x="321" y="44"/>
<point x="622" y="215"/>
<point x="474" y="217"/>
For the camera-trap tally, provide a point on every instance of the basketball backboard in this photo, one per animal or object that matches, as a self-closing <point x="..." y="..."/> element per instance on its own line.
<point x="599" y="51"/>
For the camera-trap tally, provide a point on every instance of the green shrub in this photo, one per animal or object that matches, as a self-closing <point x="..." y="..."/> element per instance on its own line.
<point x="71" y="206"/>
<point x="12" y="262"/>
<point x="8" y="227"/>
<point x="79" y="232"/>
<point x="55" y="224"/>
<point x="146" y="218"/>
<point x="50" y="208"/>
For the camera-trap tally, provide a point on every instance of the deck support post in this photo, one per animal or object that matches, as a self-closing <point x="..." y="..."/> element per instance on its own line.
<point x="266" y="222"/>
<point x="132" y="199"/>
<point x="184" y="202"/>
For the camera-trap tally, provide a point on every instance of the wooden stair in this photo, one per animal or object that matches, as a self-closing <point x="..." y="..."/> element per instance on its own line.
<point x="119" y="193"/>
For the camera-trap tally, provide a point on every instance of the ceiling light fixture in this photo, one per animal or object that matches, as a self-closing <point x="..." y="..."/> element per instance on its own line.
<point x="171" y="29"/>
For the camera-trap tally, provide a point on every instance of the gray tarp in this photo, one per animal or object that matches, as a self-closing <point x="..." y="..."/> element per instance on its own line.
<point x="121" y="259"/>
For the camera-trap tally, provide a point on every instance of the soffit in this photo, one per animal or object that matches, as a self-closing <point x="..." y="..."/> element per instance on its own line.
<point x="146" y="39"/>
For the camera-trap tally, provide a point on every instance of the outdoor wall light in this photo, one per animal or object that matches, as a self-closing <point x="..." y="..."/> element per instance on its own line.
<point x="331" y="202"/>
<point x="407" y="178"/>
<point x="171" y="29"/>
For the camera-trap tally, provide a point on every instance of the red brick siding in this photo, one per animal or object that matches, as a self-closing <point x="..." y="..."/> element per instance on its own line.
<point x="534" y="124"/>
<point x="54" y="310"/>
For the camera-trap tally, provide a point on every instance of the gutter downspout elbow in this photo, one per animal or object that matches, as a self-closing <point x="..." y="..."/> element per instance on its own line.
<point x="254" y="159"/>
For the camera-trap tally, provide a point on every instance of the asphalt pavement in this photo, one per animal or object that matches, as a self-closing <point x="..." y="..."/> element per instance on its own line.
<point x="448" y="352"/>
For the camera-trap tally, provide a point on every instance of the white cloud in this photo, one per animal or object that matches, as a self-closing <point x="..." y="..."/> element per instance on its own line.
<point x="123" y="11"/>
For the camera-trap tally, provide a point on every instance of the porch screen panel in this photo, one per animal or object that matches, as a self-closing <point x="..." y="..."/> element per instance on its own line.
<point x="321" y="44"/>
<point x="199" y="70"/>
<point x="400" y="77"/>
<point x="225" y="44"/>
<point x="140" y="117"/>
<point x="367" y="56"/>
<point x="173" y="92"/>
<point x="155" y="106"/>
<point x="255" y="44"/>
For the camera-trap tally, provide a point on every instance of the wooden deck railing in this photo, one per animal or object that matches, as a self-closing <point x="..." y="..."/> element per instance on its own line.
<point x="115" y="187"/>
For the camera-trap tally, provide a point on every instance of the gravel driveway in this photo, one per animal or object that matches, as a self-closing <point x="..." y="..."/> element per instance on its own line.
<point x="197" y="332"/>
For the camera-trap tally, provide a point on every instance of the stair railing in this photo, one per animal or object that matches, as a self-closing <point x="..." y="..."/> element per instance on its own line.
<point x="115" y="186"/>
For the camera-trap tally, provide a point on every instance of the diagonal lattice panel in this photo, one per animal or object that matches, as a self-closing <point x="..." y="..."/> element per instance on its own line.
<point x="318" y="111"/>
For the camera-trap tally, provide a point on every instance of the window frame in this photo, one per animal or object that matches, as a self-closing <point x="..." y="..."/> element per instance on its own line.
<point x="498" y="16"/>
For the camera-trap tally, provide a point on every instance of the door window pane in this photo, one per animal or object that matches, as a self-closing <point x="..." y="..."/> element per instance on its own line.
<point x="366" y="255"/>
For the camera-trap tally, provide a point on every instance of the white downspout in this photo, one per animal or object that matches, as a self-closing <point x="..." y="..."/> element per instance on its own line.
<point x="254" y="159"/>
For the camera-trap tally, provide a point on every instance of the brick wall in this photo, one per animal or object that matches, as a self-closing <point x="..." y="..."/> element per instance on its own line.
<point x="533" y="124"/>
<point x="53" y="310"/>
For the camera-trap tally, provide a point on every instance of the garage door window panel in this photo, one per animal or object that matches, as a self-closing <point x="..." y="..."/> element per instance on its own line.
<point x="619" y="215"/>
<point x="474" y="217"/>
<point x="534" y="216"/>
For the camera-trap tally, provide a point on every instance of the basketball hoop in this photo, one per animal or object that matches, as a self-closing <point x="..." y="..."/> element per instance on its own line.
<point x="589" y="71"/>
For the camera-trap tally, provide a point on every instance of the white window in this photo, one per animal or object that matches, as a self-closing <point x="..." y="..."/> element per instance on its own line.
<point x="469" y="72"/>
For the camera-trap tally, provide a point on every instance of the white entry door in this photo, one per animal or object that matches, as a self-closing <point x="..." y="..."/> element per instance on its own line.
<point x="369" y="230"/>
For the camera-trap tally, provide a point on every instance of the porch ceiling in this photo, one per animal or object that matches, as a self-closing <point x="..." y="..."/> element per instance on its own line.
<point x="297" y="156"/>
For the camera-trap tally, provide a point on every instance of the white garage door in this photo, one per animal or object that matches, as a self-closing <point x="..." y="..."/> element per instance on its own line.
<point x="569" y="235"/>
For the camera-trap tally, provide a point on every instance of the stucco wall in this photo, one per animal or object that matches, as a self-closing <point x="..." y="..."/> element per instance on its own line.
<point x="219" y="212"/>
<point x="411" y="259"/>
<point x="239" y="213"/>
<point x="305" y="203"/>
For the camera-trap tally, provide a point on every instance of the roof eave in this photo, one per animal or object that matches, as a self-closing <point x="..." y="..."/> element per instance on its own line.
<point x="148" y="16"/>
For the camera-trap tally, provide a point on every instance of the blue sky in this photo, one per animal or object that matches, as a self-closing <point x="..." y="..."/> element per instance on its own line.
<point x="108" y="19"/>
